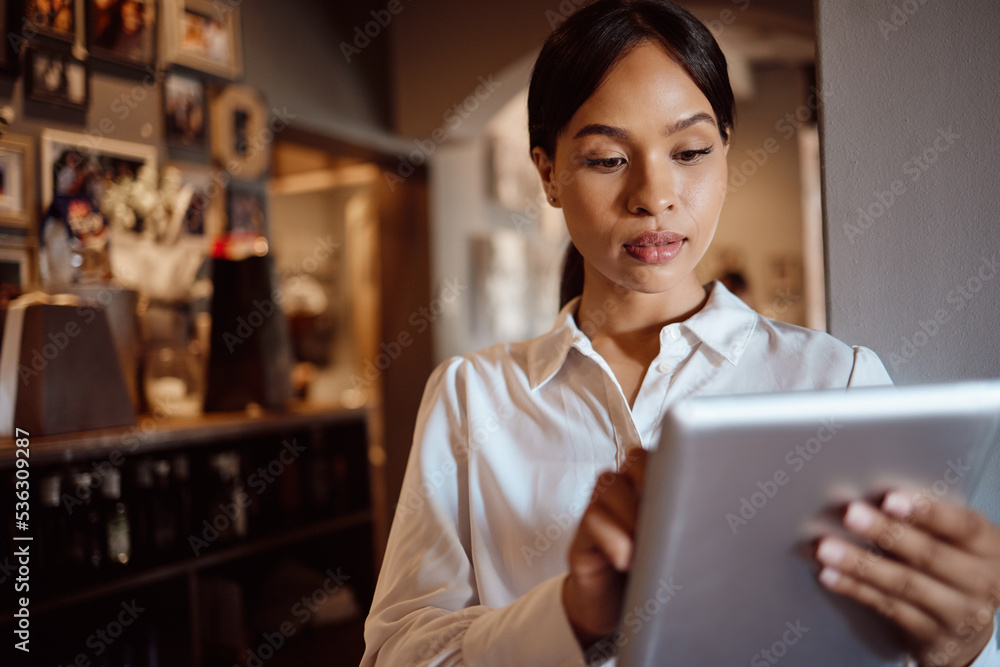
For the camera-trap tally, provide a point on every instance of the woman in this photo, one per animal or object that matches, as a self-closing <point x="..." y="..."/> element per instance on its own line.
<point x="630" y="115"/>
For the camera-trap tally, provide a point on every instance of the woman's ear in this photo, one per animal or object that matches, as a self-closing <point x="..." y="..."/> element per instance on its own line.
<point x="546" y="171"/>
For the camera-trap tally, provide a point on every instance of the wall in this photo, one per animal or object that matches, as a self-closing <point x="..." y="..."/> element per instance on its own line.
<point x="762" y="217"/>
<point x="291" y="54"/>
<point x="911" y="107"/>
<point x="440" y="47"/>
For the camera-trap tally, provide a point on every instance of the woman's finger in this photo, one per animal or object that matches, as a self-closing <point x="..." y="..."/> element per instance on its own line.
<point x="600" y="530"/>
<point x="617" y="493"/>
<point x="912" y="620"/>
<point x="894" y="579"/>
<point x="965" y="528"/>
<point x="909" y="543"/>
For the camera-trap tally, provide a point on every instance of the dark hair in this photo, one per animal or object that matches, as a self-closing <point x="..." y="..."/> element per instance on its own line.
<point x="578" y="56"/>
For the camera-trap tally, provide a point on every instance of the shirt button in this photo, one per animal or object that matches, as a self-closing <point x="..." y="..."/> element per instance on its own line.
<point x="663" y="368"/>
<point x="674" y="334"/>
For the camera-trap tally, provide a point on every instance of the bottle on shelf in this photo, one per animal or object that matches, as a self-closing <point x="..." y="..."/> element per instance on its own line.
<point x="226" y="510"/>
<point x="86" y="541"/>
<point x="165" y="510"/>
<point x="116" y="524"/>
<point x="52" y="532"/>
<point x="142" y="518"/>
<point x="181" y="495"/>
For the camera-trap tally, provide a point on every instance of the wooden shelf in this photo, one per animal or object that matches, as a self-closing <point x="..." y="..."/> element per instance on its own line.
<point x="179" y="568"/>
<point x="153" y="433"/>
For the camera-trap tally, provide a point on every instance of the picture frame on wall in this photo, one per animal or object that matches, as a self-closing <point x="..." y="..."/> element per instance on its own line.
<point x="240" y="140"/>
<point x="56" y="19"/>
<point x="79" y="164"/>
<point x="206" y="210"/>
<point x="54" y="76"/>
<point x="17" y="181"/>
<point x="18" y="268"/>
<point x="203" y="35"/>
<point x="185" y="112"/>
<point x="246" y="209"/>
<point x="122" y="31"/>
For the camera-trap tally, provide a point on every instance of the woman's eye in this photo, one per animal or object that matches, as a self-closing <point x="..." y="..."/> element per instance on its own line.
<point x="692" y="156"/>
<point x="606" y="162"/>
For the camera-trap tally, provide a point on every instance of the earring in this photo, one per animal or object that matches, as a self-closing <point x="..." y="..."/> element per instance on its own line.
<point x="552" y="199"/>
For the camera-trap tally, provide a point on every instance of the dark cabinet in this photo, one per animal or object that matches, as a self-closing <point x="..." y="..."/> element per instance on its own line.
<point x="221" y="540"/>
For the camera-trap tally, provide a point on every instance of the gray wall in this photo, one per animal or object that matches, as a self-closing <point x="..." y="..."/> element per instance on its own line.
<point x="911" y="107"/>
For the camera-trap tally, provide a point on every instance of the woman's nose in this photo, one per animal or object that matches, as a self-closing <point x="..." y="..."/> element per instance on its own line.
<point x="651" y="188"/>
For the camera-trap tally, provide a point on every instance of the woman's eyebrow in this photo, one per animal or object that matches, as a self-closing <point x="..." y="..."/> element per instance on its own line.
<point x="603" y="130"/>
<point x="685" y="123"/>
<point x="625" y="135"/>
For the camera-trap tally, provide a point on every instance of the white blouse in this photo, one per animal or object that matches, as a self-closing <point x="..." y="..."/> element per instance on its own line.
<point x="509" y="443"/>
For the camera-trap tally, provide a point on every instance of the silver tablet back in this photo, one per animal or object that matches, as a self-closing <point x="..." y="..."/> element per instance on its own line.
<point x="739" y="489"/>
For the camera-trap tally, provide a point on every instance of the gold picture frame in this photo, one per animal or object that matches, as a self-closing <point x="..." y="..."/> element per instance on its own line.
<point x="18" y="267"/>
<point x="17" y="181"/>
<point x="239" y="131"/>
<point x="202" y="35"/>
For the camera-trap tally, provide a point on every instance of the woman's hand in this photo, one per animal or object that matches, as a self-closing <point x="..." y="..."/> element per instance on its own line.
<point x="601" y="553"/>
<point x="931" y="567"/>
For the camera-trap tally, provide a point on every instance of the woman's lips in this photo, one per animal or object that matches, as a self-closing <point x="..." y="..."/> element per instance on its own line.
<point x="655" y="247"/>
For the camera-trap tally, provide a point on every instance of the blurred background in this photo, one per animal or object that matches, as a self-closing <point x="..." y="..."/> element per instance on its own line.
<point x="268" y="222"/>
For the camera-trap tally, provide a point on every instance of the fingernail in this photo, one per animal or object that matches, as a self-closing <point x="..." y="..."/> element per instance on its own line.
<point x="897" y="504"/>
<point x="859" y="517"/>
<point x="829" y="577"/>
<point x="831" y="552"/>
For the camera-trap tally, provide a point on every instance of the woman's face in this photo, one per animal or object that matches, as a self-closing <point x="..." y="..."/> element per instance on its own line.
<point x="640" y="173"/>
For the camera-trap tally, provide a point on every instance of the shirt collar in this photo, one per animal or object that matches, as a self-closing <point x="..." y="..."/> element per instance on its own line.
<point x="724" y="325"/>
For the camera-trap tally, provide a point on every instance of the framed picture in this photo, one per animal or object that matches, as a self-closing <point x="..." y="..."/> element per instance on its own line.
<point x="18" y="268"/>
<point x="206" y="209"/>
<point x="203" y="35"/>
<point x="185" y="111"/>
<point x="122" y="31"/>
<point x="56" y="77"/>
<point x="52" y="18"/>
<point x="81" y="165"/>
<point x="17" y="181"/>
<point x="246" y="209"/>
<point x="240" y="140"/>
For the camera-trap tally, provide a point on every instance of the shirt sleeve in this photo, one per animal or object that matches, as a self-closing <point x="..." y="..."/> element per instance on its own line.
<point x="990" y="656"/>
<point x="426" y="609"/>
<point x="868" y="370"/>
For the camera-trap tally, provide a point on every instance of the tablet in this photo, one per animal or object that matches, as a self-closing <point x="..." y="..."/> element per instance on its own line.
<point x="739" y="489"/>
